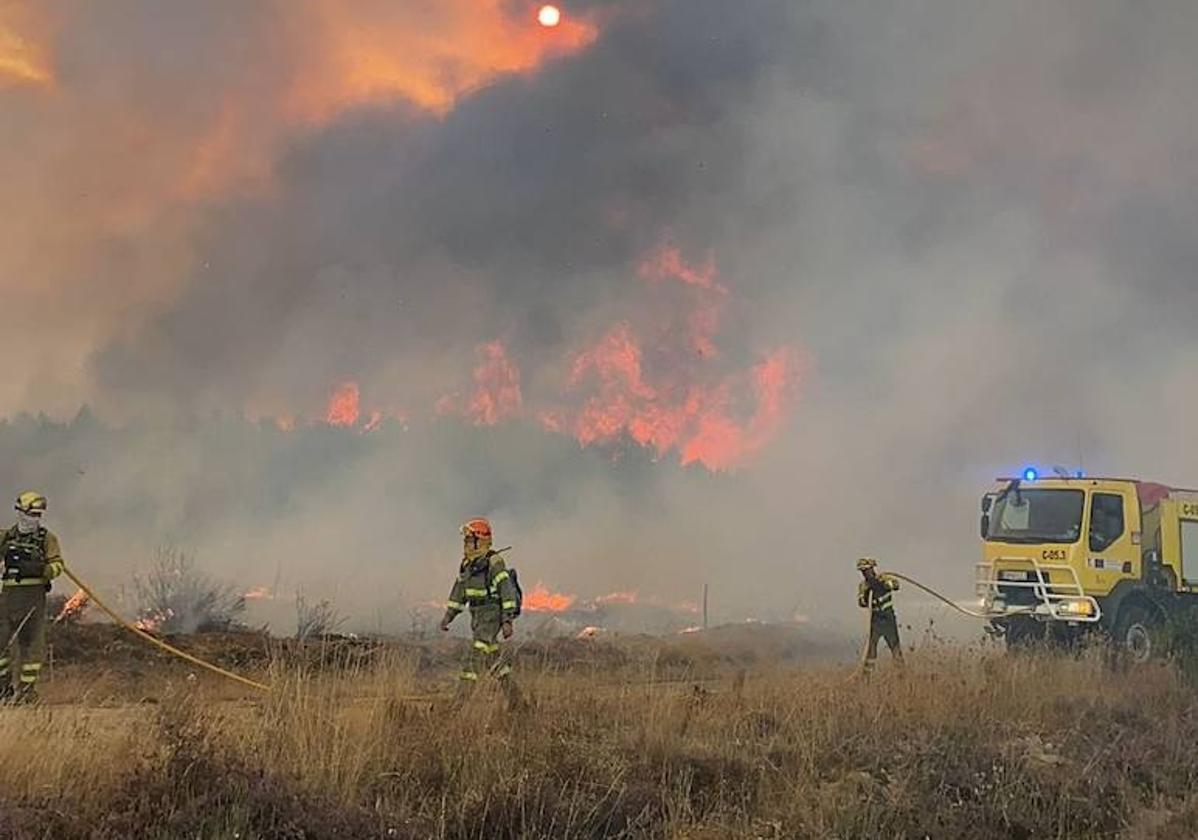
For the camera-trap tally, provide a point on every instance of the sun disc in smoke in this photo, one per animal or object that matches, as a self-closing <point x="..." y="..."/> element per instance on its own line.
<point x="549" y="16"/>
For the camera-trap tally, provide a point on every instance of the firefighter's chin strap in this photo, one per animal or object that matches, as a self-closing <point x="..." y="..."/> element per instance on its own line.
<point x="158" y="642"/>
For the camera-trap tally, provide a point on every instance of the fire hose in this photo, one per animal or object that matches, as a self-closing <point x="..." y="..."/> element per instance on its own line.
<point x="929" y="590"/>
<point x="171" y="649"/>
<point x="216" y="669"/>
<point x="939" y="597"/>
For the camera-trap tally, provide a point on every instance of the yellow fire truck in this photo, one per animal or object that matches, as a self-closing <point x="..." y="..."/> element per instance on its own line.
<point x="1068" y="554"/>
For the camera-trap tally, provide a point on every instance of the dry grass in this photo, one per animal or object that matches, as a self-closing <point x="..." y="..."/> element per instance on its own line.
<point x="965" y="745"/>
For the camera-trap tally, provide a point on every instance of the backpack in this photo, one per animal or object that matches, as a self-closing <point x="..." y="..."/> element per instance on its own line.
<point x="515" y="579"/>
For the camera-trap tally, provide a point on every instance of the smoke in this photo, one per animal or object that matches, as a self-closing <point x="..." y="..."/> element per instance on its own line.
<point x="690" y="294"/>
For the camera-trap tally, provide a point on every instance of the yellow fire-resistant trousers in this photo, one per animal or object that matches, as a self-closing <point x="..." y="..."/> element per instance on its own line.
<point x="23" y="604"/>
<point x="484" y="656"/>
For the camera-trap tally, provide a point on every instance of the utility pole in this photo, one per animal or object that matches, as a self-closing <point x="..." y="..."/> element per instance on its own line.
<point x="704" y="606"/>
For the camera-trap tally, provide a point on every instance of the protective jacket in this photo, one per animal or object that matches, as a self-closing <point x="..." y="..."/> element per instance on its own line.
<point x="483" y="583"/>
<point x="882" y="589"/>
<point x="32" y="559"/>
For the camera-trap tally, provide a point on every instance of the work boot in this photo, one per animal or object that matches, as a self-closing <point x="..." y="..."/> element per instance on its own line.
<point x="26" y="695"/>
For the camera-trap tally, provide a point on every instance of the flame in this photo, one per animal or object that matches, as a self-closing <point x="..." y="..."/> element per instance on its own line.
<point x="258" y="593"/>
<point x="668" y="398"/>
<point x="667" y="263"/>
<point x="345" y="405"/>
<point x="540" y="599"/>
<point x="717" y="422"/>
<point x="616" y="598"/>
<point x="697" y="421"/>
<point x="73" y="607"/>
<point x="590" y="632"/>
<point x="154" y="621"/>
<point x="496" y="386"/>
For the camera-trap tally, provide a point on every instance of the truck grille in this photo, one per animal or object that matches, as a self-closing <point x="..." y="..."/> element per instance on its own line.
<point x="1022" y="595"/>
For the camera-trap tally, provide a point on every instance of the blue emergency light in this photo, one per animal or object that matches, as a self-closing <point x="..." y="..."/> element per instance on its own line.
<point x="1030" y="474"/>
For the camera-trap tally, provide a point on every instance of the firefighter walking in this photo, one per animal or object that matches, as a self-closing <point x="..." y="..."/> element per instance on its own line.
<point x="876" y="594"/>
<point x="32" y="559"/>
<point x="485" y="587"/>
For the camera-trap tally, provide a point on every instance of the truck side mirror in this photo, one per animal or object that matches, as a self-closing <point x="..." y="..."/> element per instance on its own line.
<point x="985" y="526"/>
<point x="987" y="502"/>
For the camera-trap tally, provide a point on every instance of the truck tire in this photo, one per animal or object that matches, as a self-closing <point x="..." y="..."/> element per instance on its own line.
<point x="1137" y="635"/>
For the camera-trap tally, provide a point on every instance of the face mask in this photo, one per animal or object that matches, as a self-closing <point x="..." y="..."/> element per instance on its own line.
<point x="27" y="524"/>
<point x="474" y="547"/>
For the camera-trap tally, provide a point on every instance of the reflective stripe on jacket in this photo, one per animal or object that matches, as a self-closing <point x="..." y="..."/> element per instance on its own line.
<point x="882" y="590"/>
<point x="482" y="583"/>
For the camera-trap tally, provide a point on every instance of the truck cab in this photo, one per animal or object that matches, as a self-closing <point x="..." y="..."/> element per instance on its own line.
<point x="1064" y="554"/>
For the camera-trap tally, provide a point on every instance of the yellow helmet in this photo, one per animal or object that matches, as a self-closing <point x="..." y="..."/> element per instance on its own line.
<point x="867" y="563"/>
<point x="31" y="504"/>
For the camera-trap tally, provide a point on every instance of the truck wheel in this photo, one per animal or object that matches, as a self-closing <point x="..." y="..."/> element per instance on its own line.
<point x="1136" y="633"/>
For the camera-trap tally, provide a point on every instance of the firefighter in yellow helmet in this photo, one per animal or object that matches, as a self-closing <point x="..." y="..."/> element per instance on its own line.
<point x="485" y="586"/>
<point x="32" y="559"/>
<point x="876" y="594"/>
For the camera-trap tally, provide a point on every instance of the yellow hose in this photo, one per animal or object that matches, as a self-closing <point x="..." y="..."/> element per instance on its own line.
<point x="951" y="603"/>
<point x="158" y="642"/>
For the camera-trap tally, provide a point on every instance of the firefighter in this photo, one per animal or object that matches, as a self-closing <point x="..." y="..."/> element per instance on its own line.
<point x="876" y="594"/>
<point x="484" y="585"/>
<point x="32" y="559"/>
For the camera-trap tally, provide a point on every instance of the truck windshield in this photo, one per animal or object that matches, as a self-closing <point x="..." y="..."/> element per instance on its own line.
<point x="1037" y="516"/>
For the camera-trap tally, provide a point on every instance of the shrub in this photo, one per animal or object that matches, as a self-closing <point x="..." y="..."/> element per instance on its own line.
<point x="176" y="597"/>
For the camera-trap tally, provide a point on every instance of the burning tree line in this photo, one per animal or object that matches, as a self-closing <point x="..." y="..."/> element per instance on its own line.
<point x="657" y="378"/>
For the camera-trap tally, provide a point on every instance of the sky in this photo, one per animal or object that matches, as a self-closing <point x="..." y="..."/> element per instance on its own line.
<point x="677" y="292"/>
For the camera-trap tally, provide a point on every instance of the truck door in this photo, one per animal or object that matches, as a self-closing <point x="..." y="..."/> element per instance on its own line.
<point x="1111" y="547"/>
<point x="1188" y="524"/>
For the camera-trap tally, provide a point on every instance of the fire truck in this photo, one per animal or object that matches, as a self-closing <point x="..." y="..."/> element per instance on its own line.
<point x="1070" y="554"/>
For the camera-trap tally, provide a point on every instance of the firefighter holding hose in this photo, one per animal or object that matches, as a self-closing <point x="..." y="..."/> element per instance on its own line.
<point x="876" y="594"/>
<point x="485" y="586"/>
<point x="32" y="559"/>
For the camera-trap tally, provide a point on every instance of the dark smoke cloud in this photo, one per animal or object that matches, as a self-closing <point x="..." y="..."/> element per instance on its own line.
<point x="395" y="237"/>
<point x="975" y="219"/>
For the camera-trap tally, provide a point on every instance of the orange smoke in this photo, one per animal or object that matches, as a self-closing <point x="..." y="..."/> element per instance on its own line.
<point x="428" y="53"/>
<point x="21" y="59"/>
<point x="345" y="405"/>
<point x="540" y="599"/>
